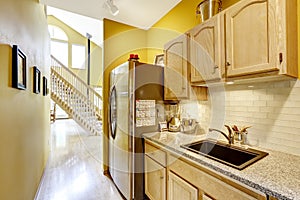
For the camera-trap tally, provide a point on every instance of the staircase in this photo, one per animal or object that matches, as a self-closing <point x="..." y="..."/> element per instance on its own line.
<point x="76" y="98"/>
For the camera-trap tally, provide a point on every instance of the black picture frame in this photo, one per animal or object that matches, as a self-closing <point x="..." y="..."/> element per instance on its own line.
<point x="19" y="68"/>
<point x="45" y="89"/>
<point x="159" y="60"/>
<point x="36" y="80"/>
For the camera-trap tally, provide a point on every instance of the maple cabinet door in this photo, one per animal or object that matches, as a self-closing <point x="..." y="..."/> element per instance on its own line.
<point x="206" y="51"/>
<point x="251" y="38"/>
<point x="176" y="69"/>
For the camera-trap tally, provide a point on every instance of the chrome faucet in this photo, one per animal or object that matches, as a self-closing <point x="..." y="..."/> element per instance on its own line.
<point x="229" y="137"/>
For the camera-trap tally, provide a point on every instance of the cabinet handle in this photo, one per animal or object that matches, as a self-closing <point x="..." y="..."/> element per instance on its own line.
<point x="215" y="69"/>
<point x="227" y="63"/>
<point x="161" y="177"/>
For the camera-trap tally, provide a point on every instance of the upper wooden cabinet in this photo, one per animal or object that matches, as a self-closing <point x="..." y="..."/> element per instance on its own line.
<point x="251" y="39"/>
<point x="176" y="71"/>
<point x="206" y="50"/>
<point x="261" y="38"/>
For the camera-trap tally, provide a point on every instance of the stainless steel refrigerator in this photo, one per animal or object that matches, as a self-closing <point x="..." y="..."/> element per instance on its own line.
<point x="135" y="107"/>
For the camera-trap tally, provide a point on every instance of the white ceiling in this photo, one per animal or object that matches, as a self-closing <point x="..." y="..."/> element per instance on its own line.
<point x="138" y="13"/>
<point x="80" y="23"/>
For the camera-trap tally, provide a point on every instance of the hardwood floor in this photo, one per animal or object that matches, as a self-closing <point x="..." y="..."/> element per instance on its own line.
<point x="74" y="169"/>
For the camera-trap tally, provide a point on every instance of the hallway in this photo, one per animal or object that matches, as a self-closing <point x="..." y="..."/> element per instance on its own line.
<point x="74" y="166"/>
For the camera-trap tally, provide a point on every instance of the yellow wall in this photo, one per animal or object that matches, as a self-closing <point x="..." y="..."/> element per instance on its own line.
<point x="96" y="52"/>
<point x="24" y="116"/>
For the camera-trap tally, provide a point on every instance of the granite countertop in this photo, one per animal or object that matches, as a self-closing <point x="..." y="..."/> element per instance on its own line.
<point x="277" y="174"/>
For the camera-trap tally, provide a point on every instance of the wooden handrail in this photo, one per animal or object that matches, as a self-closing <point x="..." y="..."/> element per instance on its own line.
<point x="78" y="78"/>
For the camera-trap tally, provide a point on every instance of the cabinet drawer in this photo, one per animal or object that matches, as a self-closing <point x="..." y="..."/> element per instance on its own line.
<point x="214" y="187"/>
<point x="156" y="154"/>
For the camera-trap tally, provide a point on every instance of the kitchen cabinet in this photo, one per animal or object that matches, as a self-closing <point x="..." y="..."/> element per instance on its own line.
<point x="155" y="173"/>
<point x="261" y="39"/>
<point x="176" y="72"/>
<point x="209" y="184"/>
<point x="179" y="189"/>
<point x="188" y="180"/>
<point x="253" y="40"/>
<point x="206" y="51"/>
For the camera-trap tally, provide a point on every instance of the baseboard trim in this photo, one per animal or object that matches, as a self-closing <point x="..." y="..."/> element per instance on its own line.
<point x="41" y="181"/>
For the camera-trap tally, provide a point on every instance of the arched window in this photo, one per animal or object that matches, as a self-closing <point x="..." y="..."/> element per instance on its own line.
<point x="59" y="44"/>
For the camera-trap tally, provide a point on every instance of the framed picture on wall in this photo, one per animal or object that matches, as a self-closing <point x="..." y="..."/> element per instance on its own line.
<point x="36" y="80"/>
<point x="19" y="70"/>
<point x="45" y="87"/>
<point x="159" y="60"/>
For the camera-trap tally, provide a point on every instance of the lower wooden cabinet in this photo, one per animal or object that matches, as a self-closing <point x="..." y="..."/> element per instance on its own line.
<point x="211" y="186"/>
<point x="155" y="172"/>
<point x="168" y="176"/>
<point x="179" y="189"/>
<point x="155" y="180"/>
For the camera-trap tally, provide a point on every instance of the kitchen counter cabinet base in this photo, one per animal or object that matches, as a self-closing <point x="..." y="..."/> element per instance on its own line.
<point x="155" y="180"/>
<point x="155" y="172"/>
<point x="215" y="186"/>
<point x="178" y="188"/>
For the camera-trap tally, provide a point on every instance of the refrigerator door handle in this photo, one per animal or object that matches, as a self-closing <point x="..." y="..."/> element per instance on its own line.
<point x="112" y="112"/>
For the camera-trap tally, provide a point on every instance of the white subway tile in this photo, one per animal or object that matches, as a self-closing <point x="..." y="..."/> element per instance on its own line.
<point x="294" y="97"/>
<point x="260" y="103"/>
<point x="241" y="103"/>
<point x="260" y="92"/>
<point x="238" y="108"/>
<point x="238" y="93"/>
<point x="275" y="103"/>
<point x="268" y="97"/>
<point x="281" y="97"/>
<point x="260" y="115"/>
<point x="272" y="109"/>
<point x="254" y="109"/>
<point x="281" y="84"/>
<point x="287" y="123"/>
<point x="284" y="91"/>
<point x="292" y="111"/>
<point x="295" y="84"/>
<point x="295" y="91"/>
<point x="266" y="109"/>
<point x="284" y="117"/>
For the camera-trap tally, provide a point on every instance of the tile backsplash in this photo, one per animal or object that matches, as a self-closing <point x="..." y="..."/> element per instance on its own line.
<point x="271" y="109"/>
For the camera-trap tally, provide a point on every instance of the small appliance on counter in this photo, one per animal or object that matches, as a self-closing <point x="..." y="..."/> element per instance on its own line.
<point x="189" y="126"/>
<point x="174" y="124"/>
<point x="173" y="113"/>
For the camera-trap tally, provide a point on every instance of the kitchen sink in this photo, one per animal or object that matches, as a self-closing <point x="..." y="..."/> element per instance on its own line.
<point x="233" y="156"/>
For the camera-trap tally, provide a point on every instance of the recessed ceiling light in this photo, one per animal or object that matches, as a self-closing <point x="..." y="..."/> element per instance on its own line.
<point x="230" y="83"/>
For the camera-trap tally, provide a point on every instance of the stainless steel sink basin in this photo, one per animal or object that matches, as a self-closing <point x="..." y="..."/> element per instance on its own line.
<point x="233" y="156"/>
